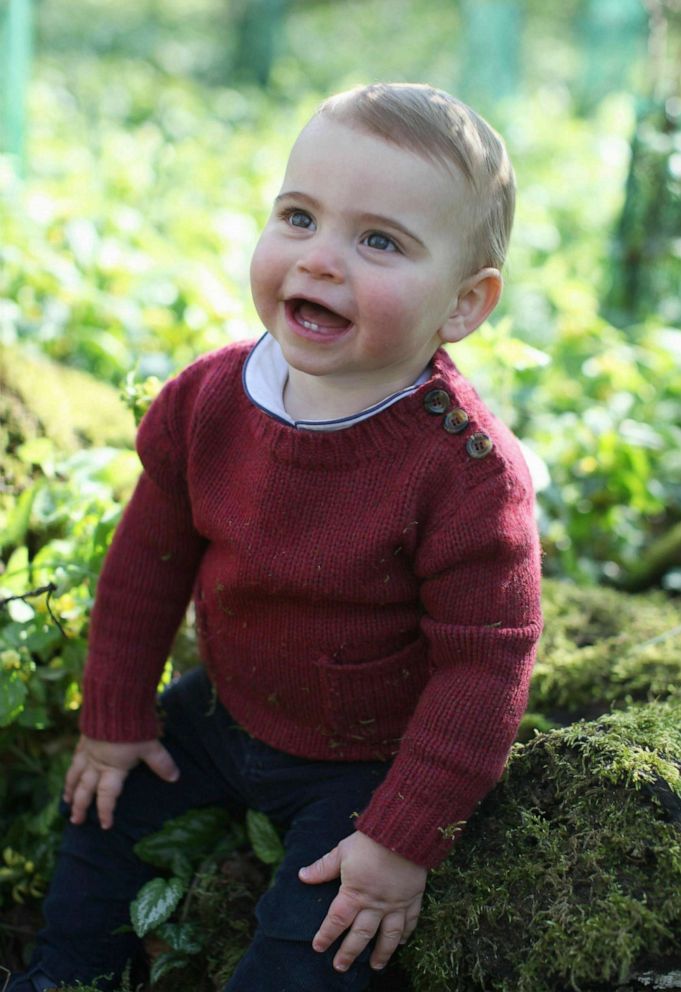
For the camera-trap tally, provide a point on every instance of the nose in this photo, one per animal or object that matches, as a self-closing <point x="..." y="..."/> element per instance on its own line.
<point x="322" y="258"/>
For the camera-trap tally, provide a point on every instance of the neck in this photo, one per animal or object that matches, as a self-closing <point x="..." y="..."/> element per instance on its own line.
<point x="308" y="397"/>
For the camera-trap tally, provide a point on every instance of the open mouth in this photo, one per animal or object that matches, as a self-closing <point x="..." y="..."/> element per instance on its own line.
<point x="315" y="317"/>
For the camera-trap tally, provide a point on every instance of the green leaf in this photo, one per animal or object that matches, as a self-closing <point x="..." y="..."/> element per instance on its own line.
<point x="13" y="694"/>
<point x="184" y="937"/>
<point x="155" y="903"/>
<point x="19" y="518"/>
<point x="181" y="867"/>
<point x="195" y="834"/>
<point x="15" y="578"/>
<point x="35" y="717"/>
<point x="264" y="838"/>
<point x="20" y="611"/>
<point x="36" y="451"/>
<point x="166" y="962"/>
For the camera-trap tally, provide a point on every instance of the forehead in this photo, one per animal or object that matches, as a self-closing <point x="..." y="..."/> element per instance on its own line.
<point x="344" y="164"/>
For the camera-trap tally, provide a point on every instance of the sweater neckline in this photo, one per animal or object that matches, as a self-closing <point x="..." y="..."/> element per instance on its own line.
<point x="390" y="430"/>
<point x="264" y="376"/>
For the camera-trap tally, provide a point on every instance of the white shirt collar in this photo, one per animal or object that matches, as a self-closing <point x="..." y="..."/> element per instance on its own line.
<point x="264" y="378"/>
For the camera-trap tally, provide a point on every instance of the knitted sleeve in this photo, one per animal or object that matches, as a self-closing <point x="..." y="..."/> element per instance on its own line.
<point x="145" y="584"/>
<point x="480" y="575"/>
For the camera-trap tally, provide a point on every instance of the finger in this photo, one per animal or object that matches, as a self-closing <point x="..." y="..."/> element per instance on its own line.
<point x="363" y="930"/>
<point x="83" y="793"/>
<point x="109" y="788"/>
<point x="322" y="870"/>
<point x="338" y="919"/>
<point x="410" y="924"/>
<point x="76" y="768"/>
<point x="389" y="937"/>
<point x="161" y="763"/>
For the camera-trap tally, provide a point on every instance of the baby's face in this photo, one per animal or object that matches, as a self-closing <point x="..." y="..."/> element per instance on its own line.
<point x="359" y="265"/>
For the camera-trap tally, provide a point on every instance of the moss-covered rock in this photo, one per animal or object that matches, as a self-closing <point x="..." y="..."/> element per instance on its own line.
<point x="41" y="398"/>
<point x="602" y="648"/>
<point x="569" y="874"/>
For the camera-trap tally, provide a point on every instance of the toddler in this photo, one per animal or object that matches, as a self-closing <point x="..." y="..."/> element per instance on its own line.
<point x="357" y="531"/>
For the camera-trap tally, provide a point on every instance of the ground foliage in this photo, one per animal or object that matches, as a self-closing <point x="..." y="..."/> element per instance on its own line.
<point x="112" y="261"/>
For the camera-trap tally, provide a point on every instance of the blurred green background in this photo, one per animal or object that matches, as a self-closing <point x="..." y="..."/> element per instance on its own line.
<point x="154" y="135"/>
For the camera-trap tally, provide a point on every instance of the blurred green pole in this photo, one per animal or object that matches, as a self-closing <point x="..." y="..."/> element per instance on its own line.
<point x="489" y="68"/>
<point x="15" y="46"/>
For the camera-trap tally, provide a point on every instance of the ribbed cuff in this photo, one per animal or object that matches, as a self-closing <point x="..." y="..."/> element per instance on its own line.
<point x="113" y="712"/>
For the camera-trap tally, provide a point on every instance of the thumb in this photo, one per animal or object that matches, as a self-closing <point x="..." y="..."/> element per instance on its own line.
<point x="161" y="762"/>
<point x="322" y="870"/>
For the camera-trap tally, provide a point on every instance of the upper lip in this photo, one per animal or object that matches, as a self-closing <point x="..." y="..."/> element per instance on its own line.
<point x="308" y="298"/>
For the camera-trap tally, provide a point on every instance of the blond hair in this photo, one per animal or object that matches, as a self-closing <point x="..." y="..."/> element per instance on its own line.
<point x="437" y="126"/>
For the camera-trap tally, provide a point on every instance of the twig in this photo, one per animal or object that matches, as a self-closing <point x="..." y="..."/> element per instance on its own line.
<point x="656" y="640"/>
<point x="50" y="589"/>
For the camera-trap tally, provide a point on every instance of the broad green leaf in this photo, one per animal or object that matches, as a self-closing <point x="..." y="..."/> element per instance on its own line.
<point x="36" y="717"/>
<point x="195" y="834"/>
<point x="37" y="451"/>
<point x="181" y="867"/>
<point x="13" y="694"/>
<point x="264" y="838"/>
<point x="20" y="611"/>
<point x="155" y="903"/>
<point x="18" y="519"/>
<point x="14" y="580"/>
<point x="168" y="961"/>
<point x="184" y="937"/>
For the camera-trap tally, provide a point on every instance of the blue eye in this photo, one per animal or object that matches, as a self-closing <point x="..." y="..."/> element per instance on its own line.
<point x="299" y="218"/>
<point x="380" y="242"/>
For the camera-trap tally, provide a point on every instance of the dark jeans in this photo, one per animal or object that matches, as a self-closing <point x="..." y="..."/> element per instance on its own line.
<point x="97" y="873"/>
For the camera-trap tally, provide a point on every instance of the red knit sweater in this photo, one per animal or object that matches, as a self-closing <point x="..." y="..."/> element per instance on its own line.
<point x="359" y="594"/>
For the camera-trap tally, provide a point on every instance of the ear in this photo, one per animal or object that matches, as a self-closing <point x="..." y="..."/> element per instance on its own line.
<point x="477" y="297"/>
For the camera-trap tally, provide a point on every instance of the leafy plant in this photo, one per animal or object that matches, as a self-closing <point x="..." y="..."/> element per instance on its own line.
<point x="190" y="850"/>
<point x="60" y="529"/>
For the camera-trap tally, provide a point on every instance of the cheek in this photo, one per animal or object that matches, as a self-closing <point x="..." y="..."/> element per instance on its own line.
<point x="392" y="307"/>
<point x="263" y="274"/>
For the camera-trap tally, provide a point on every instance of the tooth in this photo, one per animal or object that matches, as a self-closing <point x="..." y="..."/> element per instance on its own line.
<point x="309" y="325"/>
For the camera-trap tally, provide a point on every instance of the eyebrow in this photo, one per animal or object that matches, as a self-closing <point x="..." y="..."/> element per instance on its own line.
<point x="377" y="219"/>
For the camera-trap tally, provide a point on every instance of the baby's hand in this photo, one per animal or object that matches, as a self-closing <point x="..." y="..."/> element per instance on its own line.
<point x="100" y="768"/>
<point x="380" y="893"/>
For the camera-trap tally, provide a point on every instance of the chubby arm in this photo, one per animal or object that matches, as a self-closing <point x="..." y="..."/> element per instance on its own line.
<point x="99" y="769"/>
<point x="380" y="896"/>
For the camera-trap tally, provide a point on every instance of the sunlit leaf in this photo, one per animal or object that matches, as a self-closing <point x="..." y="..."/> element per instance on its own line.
<point x="155" y="903"/>
<point x="264" y="838"/>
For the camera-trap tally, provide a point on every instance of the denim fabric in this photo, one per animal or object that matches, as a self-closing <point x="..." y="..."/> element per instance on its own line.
<point x="32" y="981"/>
<point x="97" y="873"/>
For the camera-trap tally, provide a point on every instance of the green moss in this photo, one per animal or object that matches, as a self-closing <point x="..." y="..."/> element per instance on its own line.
<point x="569" y="874"/>
<point x="41" y="398"/>
<point x="602" y="648"/>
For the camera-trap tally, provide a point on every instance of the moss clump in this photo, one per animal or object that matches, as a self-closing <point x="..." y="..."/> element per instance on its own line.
<point x="602" y="648"/>
<point x="569" y="874"/>
<point x="41" y="398"/>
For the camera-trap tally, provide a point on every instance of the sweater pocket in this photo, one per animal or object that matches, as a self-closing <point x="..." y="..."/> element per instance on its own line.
<point x="372" y="701"/>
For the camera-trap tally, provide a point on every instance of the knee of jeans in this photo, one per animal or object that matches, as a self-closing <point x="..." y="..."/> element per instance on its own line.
<point x="291" y="910"/>
<point x="287" y="965"/>
<point x="90" y="813"/>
